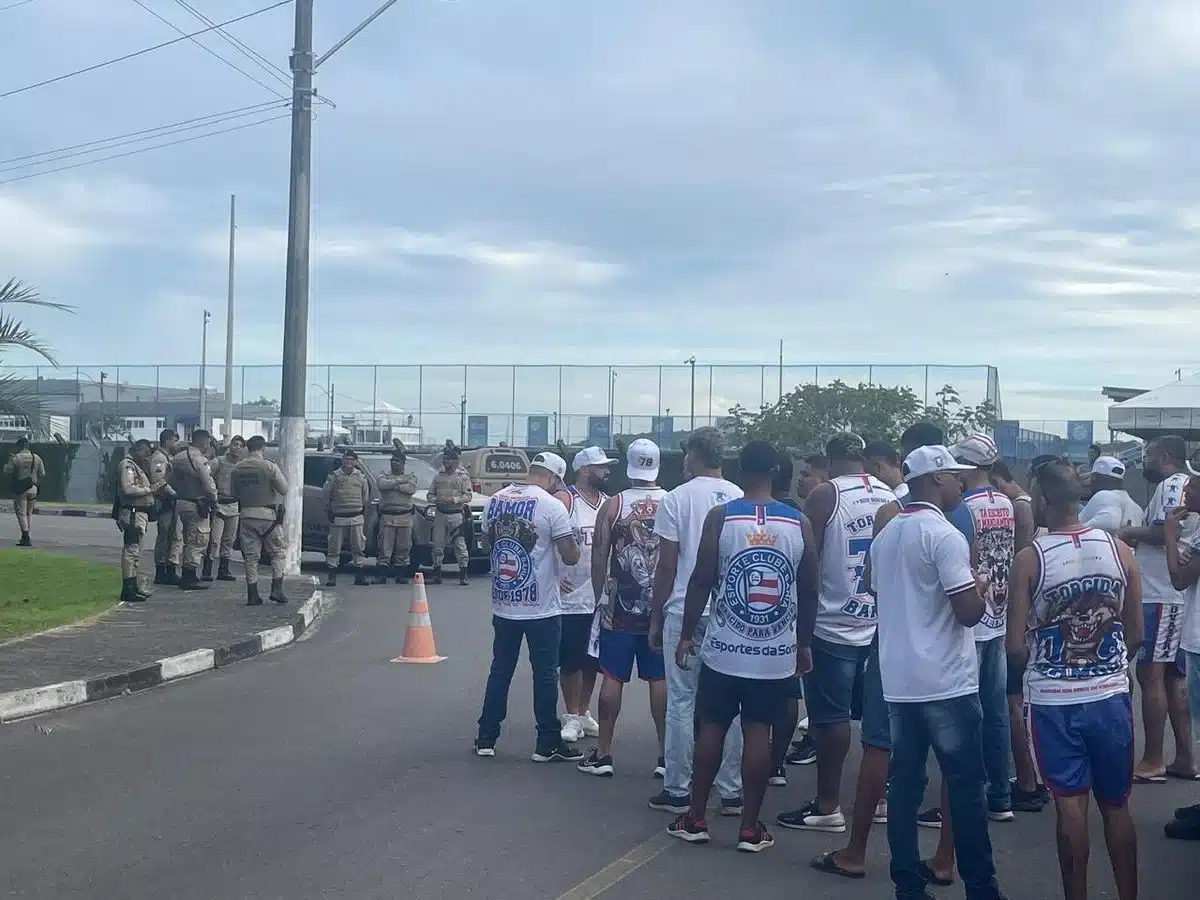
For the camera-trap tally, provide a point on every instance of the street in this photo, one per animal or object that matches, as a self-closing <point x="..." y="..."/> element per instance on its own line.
<point x="324" y="770"/>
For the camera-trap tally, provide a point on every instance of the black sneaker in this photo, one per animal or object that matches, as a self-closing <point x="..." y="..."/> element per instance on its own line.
<point x="778" y="778"/>
<point x="931" y="818"/>
<point x="557" y="752"/>
<point x="484" y="747"/>
<point x="664" y="802"/>
<point x="1183" y="829"/>
<point x="802" y="753"/>
<point x="687" y="829"/>
<point x="660" y="768"/>
<point x="1188" y="813"/>
<point x="1027" y="801"/>
<point x="596" y="764"/>
<point x="731" y="806"/>
<point x="755" y="840"/>
<point x="810" y="818"/>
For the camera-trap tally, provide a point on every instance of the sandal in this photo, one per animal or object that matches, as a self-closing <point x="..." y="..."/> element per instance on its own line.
<point x="826" y="863"/>
<point x="1149" y="779"/>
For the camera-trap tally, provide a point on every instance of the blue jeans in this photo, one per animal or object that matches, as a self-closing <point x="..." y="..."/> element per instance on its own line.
<point x="543" y="637"/>
<point x="954" y="729"/>
<point x="997" y="745"/>
<point x="1192" y="663"/>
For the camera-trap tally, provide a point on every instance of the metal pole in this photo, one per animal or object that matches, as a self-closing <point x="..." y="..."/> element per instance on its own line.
<point x="512" y="415"/>
<point x="559" y="414"/>
<point x="710" y="385"/>
<point x="204" y="366"/>
<point x="462" y="422"/>
<point x="376" y="422"/>
<point x="691" y="361"/>
<point x="103" y="430"/>
<point x="421" y="402"/>
<point x="295" y="304"/>
<point x="229" y="326"/>
<point x="332" y="388"/>
<point x="781" y="369"/>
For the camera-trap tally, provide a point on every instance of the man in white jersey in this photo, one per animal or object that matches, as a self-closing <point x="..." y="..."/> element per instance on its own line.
<point x="1075" y="616"/>
<point x="842" y="513"/>
<point x="1110" y="508"/>
<point x="624" y="556"/>
<point x="1160" y="668"/>
<point x="758" y="555"/>
<point x="679" y="523"/>
<point x="577" y="668"/>
<point x="929" y="600"/>
<point x="528" y="529"/>
<point x="1183" y="562"/>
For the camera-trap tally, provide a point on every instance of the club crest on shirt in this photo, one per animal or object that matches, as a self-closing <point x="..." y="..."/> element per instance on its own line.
<point x="755" y="596"/>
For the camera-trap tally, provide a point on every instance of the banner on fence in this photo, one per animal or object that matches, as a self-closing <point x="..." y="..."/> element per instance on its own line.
<point x="537" y="432"/>
<point x="599" y="432"/>
<point x="663" y="429"/>
<point x="477" y="431"/>
<point x="1079" y="438"/>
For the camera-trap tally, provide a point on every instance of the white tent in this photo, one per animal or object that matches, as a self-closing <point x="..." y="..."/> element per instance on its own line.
<point x="1173" y="408"/>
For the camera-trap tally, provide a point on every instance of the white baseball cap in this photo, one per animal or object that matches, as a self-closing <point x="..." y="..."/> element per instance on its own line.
<point x="977" y="449"/>
<point x="591" y="456"/>
<point x="642" y="460"/>
<point x="931" y="460"/>
<point x="1108" y="465"/>
<point x="551" y="462"/>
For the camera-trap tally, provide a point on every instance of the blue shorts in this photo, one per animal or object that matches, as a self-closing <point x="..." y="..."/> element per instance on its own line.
<point x="876" y="726"/>
<point x="829" y="687"/>
<point x="1085" y="747"/>
<point x="1164" y="630"/>
<point x="618" y="650"/>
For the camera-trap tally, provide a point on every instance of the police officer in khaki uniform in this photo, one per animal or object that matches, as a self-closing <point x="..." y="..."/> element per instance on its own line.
<point x="168" y="543"/>
<point x="450" y="493"/>
<point x="196" y="498"/>
<point x="135" y="502"/>
<point x="347" y="493"/>
<point x="25" y="470"/>
<point x="396" y="489"/>
<point x="225" y="517"/>
<point x="257" y="485"/>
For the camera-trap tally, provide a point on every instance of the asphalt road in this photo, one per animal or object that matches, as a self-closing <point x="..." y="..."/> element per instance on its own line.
<point x="324" y="770"/>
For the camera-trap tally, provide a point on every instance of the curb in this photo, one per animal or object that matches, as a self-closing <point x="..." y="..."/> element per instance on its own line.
<point x="73" y="512"/>
<point x="48" y="698"/>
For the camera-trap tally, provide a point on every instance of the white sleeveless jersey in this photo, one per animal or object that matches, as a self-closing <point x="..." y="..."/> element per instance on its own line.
<point x="995" y="545"/>
<point x="1075" y="637"/>
<point x="752" y="629"/>
<point x="583" y="520"/>
<point x="847" y="612"/>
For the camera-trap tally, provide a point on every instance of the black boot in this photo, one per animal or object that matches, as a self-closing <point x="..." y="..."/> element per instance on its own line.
<point x="463" y="580"/>
<point x="277" y="590"/>
<point x="331" y="578"/>
<point x="401" y="573"/>
<point x="143" y="592"/>
<point x="252" y="597"/>
<point x="172" y="574"/>
<point x="223" y="573"/>
<point x="160" y="574"/>
<point x="382" y="573"/>
<point x="360" y="577"/>
<point x="129" y="591"/>
<point x="189" y="582"/>
<point x="24" y="541"/>
<point x="436" y="578"/>
<point x="206" y="570"/>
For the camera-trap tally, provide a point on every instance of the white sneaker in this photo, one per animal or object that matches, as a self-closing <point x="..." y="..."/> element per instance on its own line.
<point x="590" y="726"/>
<point x="572" y="729"/>
<point x="880" y="817"/>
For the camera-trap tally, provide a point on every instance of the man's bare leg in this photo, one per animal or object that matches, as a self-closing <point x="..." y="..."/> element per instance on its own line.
<point x="1152" y="678"/>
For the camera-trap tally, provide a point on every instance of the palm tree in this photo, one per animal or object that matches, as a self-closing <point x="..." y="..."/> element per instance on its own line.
<point x="19" y="396"/>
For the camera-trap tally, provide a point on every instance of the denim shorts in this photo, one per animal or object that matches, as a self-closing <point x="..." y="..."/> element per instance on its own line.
<point x="829" y="687"/>
<point x="876" y="727"/>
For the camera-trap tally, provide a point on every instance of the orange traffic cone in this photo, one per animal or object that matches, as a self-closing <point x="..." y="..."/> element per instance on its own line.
<point x="418" y="639"/>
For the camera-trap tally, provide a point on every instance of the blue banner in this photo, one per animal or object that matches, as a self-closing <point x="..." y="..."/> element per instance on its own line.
<point x="537" y="431"/>
<point x="1008" y="434"/>
<point x="663" y="430"/>
<point x="477" y="431"/>
<point x="599" y="433"/>
<point x="1079" y="438"/>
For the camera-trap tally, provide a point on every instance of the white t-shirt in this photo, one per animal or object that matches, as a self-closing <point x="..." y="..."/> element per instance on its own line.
<point x="925" y="654"/>
<point x="581" y="600"/>
<point x="523" y="522"/>
<point x="1189" y="640"/>
<point x="1151" y="560"/>
<point x="1111" y="511"/>
<point x="680" y="519"/>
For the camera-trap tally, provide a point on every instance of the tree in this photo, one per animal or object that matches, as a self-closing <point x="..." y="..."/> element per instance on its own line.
<point x="19" y="396"/>
<point x="803" y="420"/>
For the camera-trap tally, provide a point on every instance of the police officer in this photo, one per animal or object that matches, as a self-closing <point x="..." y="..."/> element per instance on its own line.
<point x="25" y="470"/>
<point x="256" y="485"/>
<point x="346" y="496"/>
<point x="196" y="498"/>
<point x="225" y="517"/>
<point x="396" y="490"/>
<point x="168" y="544"/>
<point x="135" y="502"/>
<point x="450" y="492"/>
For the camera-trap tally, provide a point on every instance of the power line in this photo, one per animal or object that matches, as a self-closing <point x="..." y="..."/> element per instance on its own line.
<point x="186" y="140"/>
<point x="252" y="54"/>
<point x="46" y="157"/>
<point x="210" y="51"/>
<point x="15" y="5"/>
<point x="142" y="52"/>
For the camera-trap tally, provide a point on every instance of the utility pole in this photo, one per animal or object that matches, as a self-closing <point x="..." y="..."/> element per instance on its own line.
<point x="204" y="365"/>
<point x="462" y="422"/>
<point x="781" y="368"/>
<point x="103" y="421"/>
<point x="691" y="361"/>
<point x="295" y="312"/>
<point x="229" y="326"/>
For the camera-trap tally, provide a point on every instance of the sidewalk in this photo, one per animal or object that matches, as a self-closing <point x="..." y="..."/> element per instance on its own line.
<point x="135" y="646"/>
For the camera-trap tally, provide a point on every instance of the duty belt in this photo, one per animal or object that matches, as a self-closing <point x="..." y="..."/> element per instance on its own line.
<point x="348" y="515"/>
<point x="226" y="500"/>
<point x="393" y="511"/>
<point x="450" y="510"/>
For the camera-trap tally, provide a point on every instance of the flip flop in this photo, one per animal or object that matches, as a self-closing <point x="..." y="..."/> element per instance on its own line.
<point x="932" y="877"/>
<point x="1183" y="776"/>
<point x="1149" y="779"/>
<point x="826" y="863"/>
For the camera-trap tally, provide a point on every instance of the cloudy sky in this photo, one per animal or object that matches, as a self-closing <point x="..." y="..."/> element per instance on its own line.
<point x="630" y="182"/>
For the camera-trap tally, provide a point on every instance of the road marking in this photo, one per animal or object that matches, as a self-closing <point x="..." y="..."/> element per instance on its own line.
<point x="618" y="870"/>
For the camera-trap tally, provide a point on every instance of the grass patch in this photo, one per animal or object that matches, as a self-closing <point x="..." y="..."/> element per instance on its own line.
<point x="44" y="590"/>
